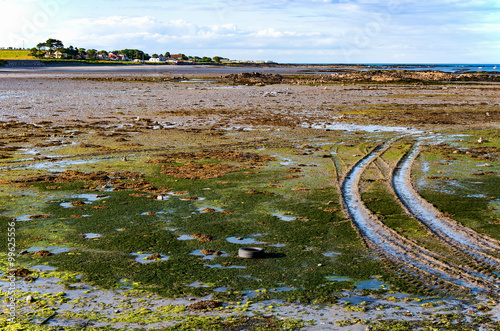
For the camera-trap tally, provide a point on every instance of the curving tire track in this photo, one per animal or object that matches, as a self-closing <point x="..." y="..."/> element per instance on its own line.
<point x="450" y="231"/>
<point x="395" y="247"/>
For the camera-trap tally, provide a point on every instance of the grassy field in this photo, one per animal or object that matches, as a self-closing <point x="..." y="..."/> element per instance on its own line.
<point x="7" y="54"/>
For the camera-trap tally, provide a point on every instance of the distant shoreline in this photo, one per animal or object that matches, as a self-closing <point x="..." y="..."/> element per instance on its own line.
<point x="318" y="67"/>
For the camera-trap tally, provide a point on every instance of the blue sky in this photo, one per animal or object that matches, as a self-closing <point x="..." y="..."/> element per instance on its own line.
<point x="300" y="31"/>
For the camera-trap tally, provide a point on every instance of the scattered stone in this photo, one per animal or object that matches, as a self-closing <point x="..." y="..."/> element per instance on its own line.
<point x="53" y="187"/>
<point x="211" y="252"/>
<point x="29" y="279"/>
<point x="202" y="237"/>
<point x="154" y="256"/>
<point x="208" y="210"/>
<point x="19" y="272"/>
<point x="33" y="217"/>
<point x="205" y="304"/>
<point x="43" y="253"/>
<point x="191" y="198"/>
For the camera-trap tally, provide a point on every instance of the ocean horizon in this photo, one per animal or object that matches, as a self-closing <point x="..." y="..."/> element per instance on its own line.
<point x="445" y="67"/>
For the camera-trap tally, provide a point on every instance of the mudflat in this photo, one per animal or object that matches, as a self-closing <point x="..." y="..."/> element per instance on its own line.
<point x="374" y="195"/>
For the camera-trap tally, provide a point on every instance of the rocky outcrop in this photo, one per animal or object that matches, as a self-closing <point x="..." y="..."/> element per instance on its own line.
<point x="388" y="76"/>
<point x="253" y="78"/>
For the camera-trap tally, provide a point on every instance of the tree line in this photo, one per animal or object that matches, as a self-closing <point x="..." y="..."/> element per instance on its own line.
<point x="51" y="46"/>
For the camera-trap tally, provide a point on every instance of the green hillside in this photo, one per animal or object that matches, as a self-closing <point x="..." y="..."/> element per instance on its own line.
<point x="8" y="54"/>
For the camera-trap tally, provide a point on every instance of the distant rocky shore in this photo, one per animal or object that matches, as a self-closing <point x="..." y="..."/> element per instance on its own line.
<point x="257" y="78"/>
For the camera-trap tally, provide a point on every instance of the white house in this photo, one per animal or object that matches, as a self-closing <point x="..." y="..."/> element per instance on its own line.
<point x="56" y="55"/>
<point x="158" y="59"/>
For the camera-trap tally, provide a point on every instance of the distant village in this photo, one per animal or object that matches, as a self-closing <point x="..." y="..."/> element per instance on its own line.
<point x="54" y="49"/>
<point x="167" y="58"/>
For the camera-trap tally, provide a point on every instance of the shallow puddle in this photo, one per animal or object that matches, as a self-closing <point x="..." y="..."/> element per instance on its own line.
<point x="331" y="254"/>
<point x="221" y="289"/>
<point x="241" y="240"/>
<point x="220" y="266"/>
<point x="198" y="252"/>
<point x="90" y="198"/>
<point x="372" y="284"/>
<point x="252" y="293"/>
<point x="52" y="249"/>
<point x="53" y="166"/>
<point x="43" y="267"/>
<point x="365" y="128"/>
<point x="198" y="284"/>
<point x="186" y="237"/>
<point x="142" y="258"/>
<point x="192" y="199"/>
<point x="337" y="279"/>
<point x="69" y="204"/>
<point x="91" y="235"/>
<point x="282" y="289"/>
<point x="285" y="218"/>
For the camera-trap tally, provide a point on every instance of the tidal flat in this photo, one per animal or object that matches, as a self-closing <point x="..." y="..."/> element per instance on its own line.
<point x="377" y="203"/>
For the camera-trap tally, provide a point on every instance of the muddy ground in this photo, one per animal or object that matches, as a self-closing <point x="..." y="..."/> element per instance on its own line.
<point x="135" y="190"/>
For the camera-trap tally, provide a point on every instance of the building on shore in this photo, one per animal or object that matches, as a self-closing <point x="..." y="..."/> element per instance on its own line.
<point x="158" y="59"/>
<point x="55" y="55"/>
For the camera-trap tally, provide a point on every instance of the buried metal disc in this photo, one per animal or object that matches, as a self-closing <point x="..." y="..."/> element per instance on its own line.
<point x="251" y="252"/>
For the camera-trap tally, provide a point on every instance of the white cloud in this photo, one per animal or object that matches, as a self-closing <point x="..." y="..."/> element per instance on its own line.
<point x="320" y="29"/>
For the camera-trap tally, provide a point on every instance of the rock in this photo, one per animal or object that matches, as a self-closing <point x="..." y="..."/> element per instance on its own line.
<point x="43" y="253"/>
<point x="29" y="299"/>
<point x="153" y="257"/>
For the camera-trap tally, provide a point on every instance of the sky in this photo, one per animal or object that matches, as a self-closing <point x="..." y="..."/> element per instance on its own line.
<point x="285" y="31"/>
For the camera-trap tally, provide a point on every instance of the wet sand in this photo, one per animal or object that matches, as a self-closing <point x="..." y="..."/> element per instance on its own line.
<point x="78" y="94"/>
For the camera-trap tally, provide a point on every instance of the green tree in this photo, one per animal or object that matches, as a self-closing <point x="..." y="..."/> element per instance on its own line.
<point x="133" y="53"/>
<point x="92" y="53"/>
<point x="53" y="44"/>
<point x="36" y="52"/>
<point x="71" y="51"/>
<point x="217" y="59"/>
<point x="167" y="54"/>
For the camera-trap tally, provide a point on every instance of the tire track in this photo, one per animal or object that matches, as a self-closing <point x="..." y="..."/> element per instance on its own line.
<point x="448" y="230"/>
<point x="393" y="246"/>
